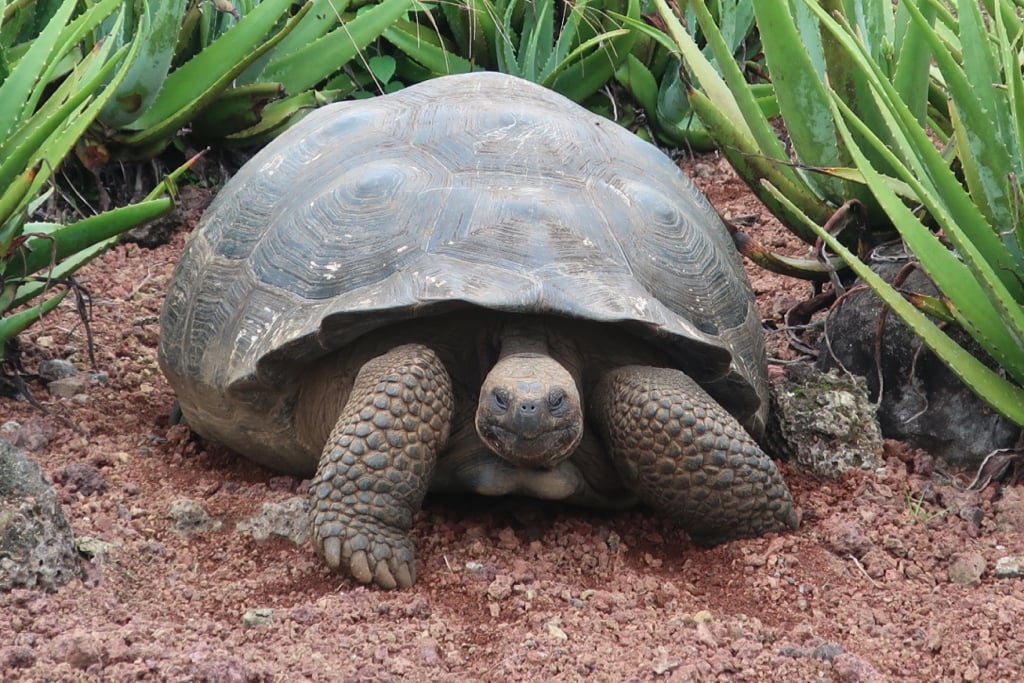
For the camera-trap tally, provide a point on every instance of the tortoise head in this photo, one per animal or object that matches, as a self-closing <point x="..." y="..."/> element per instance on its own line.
<point x="529" y="411"/>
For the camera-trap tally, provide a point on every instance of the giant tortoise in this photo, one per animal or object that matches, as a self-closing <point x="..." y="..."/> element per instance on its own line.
<point x="473" y="285"/>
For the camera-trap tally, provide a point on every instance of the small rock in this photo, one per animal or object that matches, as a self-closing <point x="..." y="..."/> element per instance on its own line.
<point x="507" y="539"/>
<point x="966" y="568"/>
<point x="189" y="517"/>
<point x="261" y="616"/>
<point x="83" y="478"/>
<point x="80" y="649"/>
<point x="419" y="608"/>
<point x="1010" y="567"/>
<point x="1009" y="509"/>
<point x="825" y="421"/>
<point x="429" y="651"/>
<point x="845" y="536"/>
<point x="664" y="666"/>
<point x="984" y="655"/>
<point x="17" y="657"/>
<point x="34" y="435"/>
<point x="282" y="483"/>
<point x="289" y="519"/>
<point x="58" y="368"/>
<point x="555" y="631"/>
<point x="703" y="617"/>
<point x="481" y="572"/>
<point x="93" y="547"/>
<point x="501" y="587"/>
<point x="851" y="668"/>
<point x="66" y="387"/>
<point x="305" y="615"/>
<point x="827" y="652"/>
<point x="217" y="666"/>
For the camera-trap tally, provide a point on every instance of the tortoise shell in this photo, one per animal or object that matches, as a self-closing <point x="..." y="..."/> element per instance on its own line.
<point x="476" y="190"/>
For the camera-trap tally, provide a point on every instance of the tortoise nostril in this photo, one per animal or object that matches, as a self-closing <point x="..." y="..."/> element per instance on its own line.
<point x="528" y="407"/>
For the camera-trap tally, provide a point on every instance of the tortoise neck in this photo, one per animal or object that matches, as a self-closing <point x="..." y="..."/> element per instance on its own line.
<point x="541" y="336"/>
<point x="523" y="336"/>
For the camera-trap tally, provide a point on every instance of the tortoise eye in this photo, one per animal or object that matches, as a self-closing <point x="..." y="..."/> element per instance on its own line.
<point x="557" y="401"/>
<point x="501" y="399"/>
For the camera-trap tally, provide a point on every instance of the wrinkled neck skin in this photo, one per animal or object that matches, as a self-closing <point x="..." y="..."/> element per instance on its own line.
<point x="530" y="411"/>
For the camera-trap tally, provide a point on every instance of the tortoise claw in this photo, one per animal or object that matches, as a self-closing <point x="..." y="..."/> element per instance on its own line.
<point x="367" y="550"/>
<point x="332" y="552"/>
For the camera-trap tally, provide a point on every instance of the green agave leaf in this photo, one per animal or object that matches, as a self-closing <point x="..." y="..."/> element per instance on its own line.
<point x="474" y="26"/>
<point x="280" y="115"/>
<point x="50" y="143"/>
<point x="324" y="16"/>
<point x="1015" y="95"/>
<point x="13" y="198"/>
<point x="585" y="71"/>
<point x="39" y="137"/>
<point x="191" y="88"/>
<point x="33" y="289"/>
<point x="948" y="209"/>
<point x="986" y="308"/>
<point x="158" y="34"/>
<point x="507" y="39"/>
<point x="409" y="38"/>
<point x="16" y="323"/>
<point x="803" y="99"/>
<point x="537" y="39"/>
<point x="65" y="241"/>
<point x="634" y="75"/>
<point x="729" y="90"/>
<point x="922" y="166"/>
<point x="303" y="68"/>
<point x="913" y="63"/>
<point x="732" y="115"/>
<point x="754" y="168"/>
<point x="570" y="34"/>
<point x="236" y="109"/>
<point x="905" y="191"/>
<point x="918" y="160"/>
<point x="983" y="130"/>
<point x="16" y="98"/>
<point x="56" y="136"/>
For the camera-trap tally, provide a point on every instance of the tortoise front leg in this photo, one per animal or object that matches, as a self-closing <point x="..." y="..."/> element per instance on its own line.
<point x="377" y="464"/>
<point x="686" y="456"/>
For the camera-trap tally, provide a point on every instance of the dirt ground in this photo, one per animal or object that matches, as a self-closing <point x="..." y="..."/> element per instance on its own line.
<point x="891" y="576"/>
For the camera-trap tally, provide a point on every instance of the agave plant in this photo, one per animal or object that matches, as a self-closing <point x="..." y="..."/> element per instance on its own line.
<point x="976" y="255"/>
<point x="232" y="72"/>
<point x="933" y="153"/>
<point x="50" y="92"/>
<point x="804" y="64"/>
<point x="652" y="71"/>
<point x="574" y="48"/>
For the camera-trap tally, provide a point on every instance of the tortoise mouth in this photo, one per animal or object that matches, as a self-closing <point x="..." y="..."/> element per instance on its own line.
<point x="541" y="451"/>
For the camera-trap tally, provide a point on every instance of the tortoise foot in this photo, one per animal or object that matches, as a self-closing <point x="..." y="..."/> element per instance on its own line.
<point x="377" y="464"/>
<point x="365" y="549"/>
<point x="686" y="456"/>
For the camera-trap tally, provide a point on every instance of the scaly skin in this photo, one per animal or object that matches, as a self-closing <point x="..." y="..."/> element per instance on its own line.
<point x="377" y="465"/>
<point x="684" y="455"/>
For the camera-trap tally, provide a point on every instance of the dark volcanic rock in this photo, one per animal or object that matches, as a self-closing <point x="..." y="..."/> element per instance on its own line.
<point x="37" y="549"/>
<point x="923" y="402"/>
